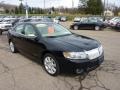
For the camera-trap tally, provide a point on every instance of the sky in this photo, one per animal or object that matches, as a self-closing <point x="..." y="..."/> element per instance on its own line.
<point x="50" y="3"/>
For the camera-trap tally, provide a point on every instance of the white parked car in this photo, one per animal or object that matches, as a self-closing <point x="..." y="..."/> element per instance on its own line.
<point x="113" y="21"/>
<point x="63" y="19"/>
<point x="4" y="26"/>
<point x="77" y="19"/>
<point x="55" y="20"/>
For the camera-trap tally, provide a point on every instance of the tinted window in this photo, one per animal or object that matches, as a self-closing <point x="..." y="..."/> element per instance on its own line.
<point x="29" y="30"/>
<point x="84" y="21"/>
<point x="52" y="30"/>
<point x="19" y="29"/>
<point x="93" y="20"/>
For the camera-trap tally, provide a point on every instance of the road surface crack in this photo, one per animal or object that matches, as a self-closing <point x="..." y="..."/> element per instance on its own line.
<point x="7" y="70"/>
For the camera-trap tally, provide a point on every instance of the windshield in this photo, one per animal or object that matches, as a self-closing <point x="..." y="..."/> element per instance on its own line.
<point x="52" y="30"/>
<point x="116" y="20"/>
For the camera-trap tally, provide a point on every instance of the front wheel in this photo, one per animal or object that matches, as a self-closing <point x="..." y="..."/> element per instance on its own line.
<point x="51" y="65"/>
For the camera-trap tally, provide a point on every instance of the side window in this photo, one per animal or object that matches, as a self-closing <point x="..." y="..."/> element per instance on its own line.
<point x="29" y="30"/>
<point x="85" y="21"/>
<point x="19" y="29"/>
<point x="92" y="20"/>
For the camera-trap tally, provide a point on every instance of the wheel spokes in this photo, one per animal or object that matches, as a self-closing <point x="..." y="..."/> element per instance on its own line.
<point x="50" y="65"/>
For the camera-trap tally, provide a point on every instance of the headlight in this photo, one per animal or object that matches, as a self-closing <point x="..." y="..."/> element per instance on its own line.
<point x="100" y="50"/>
<point x="75" y="55"/>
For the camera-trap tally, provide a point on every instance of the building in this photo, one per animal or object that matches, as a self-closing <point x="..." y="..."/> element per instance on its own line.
<point x="108" y="13"/>
<point x="2" y="10"/>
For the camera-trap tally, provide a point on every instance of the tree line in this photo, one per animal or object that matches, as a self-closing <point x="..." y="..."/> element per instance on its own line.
<point x="93" y="7"/>
<point x="21" y="9"/>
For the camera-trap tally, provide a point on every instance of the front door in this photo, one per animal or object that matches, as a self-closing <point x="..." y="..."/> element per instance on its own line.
<point x="18" y="37"/>
<point x="31" y="45"/>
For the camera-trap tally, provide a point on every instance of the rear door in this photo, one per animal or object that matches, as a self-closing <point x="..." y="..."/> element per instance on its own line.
<point x="90" y="24"/>
<point x="84" y="24"/>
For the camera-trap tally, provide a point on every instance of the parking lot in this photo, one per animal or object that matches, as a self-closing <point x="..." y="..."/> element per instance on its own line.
<point x="20" y="73"/>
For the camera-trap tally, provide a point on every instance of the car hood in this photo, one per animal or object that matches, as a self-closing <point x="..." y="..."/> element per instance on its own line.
<point x="74" y="43"/>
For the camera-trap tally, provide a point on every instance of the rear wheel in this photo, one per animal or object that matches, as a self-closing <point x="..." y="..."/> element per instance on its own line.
<point x="97" y="28"/>
<point x="51" y="65"/>
<point x="12" y="47"/>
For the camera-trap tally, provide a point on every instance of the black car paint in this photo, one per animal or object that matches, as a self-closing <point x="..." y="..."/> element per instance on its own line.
<point x="72" y="43"/>
<point x="38" y="47"/>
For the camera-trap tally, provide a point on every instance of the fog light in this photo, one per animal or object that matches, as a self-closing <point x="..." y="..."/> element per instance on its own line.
<point x="79" y="71"/>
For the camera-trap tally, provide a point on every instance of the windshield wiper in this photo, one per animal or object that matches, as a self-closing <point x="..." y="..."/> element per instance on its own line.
<point x="66" y="35"/>
<point x="58" y="36"/>
<point x="50" y="36"/>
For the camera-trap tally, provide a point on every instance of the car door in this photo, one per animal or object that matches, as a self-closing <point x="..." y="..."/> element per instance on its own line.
<point x="31" y="44"/>
<point x="90" y="25"/>
<point x="18" y="37"/>
<point x="84" y="24"/>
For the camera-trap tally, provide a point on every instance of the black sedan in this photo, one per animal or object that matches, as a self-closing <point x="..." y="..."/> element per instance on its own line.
<point x="88" y="24"/>
<point x="56" y="47"/>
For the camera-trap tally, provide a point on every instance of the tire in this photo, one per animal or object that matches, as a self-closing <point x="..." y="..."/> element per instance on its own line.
<point x="0" y="32"/>
<point x="54" y="69"/>
<point x="97" y="28"/>
<point x="75" y="27"/>
<point x="12" y="47"/>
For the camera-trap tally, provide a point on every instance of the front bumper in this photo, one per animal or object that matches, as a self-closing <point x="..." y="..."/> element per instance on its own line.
<point x="4" y="29"/>
<point x="81" y="65"/>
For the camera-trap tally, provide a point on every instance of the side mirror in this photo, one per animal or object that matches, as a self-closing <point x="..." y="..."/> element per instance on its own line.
<point x="32" y="36"/>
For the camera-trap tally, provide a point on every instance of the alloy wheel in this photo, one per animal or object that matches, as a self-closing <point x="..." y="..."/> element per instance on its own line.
<point x="97" y="28"/>
<point x="12" y="47"/>
<point x="50" y="65"/>
<point x="75" y="27"/>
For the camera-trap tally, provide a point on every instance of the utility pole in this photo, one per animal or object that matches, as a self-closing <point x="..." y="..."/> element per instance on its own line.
<point x="107" y="5"/>
<point x="44" y="4"/>
<point x="104" y="11"/>
<point x="72" y="4"/>
<point x="26" y="7"/>
<point x="21" y="1"/>
<point x="104" y="5"/>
